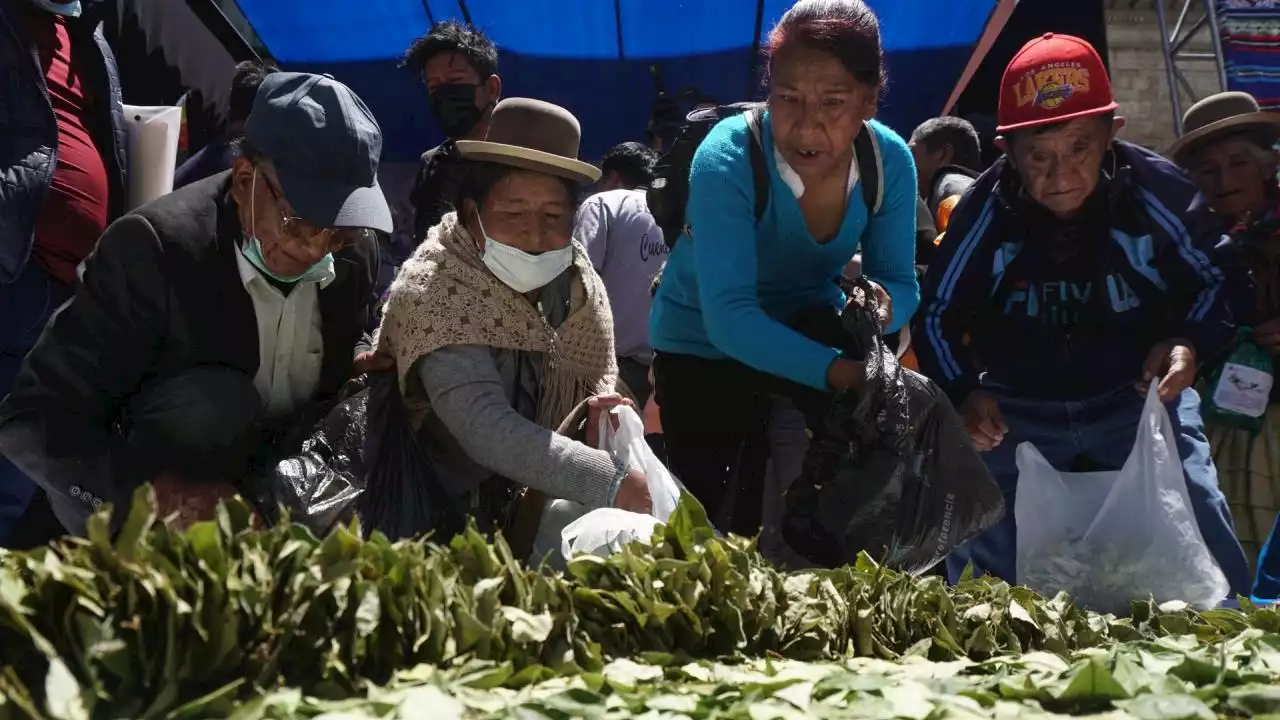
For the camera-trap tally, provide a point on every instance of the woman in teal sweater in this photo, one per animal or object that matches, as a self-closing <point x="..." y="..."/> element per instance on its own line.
<point x="719" y="324"/>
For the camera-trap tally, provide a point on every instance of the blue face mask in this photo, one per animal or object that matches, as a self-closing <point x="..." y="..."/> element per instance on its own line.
<point x="251" y="249"/>
<point x="69" y="8"/>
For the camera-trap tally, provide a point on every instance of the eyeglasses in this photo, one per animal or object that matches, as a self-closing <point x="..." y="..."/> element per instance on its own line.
<point x="334" y="239"/>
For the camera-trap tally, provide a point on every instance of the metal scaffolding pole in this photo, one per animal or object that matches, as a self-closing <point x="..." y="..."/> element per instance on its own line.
<point x="1175" y="57"/>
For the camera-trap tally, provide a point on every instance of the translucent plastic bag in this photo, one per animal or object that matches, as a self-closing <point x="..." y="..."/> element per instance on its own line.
<point x="605" y="530"/>
<point x="1110" y="538"/>
<point x="628" y="443"/>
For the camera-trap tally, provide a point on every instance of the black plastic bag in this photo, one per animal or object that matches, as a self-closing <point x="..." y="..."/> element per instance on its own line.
<point x="891" y="471"/>
<point x="403" y="497"/>
<point x="318" y="471"/>
<point x="361" y="459"/>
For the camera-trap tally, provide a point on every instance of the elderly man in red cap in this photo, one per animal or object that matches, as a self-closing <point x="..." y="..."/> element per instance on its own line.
<point x="1080" y="269"/>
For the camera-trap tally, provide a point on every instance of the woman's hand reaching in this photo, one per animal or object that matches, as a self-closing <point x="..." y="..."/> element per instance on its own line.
<point x="633" y="494"/>
<point x="602" y="404"/>
<point x="884" y="302"/>
<point x="845" y="374"/>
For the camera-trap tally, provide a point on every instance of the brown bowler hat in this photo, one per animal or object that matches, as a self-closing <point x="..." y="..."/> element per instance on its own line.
<point x="533" y="135"/>
<point x="1219" y="115"/>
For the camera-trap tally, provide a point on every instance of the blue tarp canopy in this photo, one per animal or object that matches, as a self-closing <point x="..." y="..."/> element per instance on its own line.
<point x="594" y="56"/>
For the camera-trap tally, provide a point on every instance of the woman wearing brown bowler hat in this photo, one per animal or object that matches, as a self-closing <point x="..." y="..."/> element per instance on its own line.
<point x="500" y="328"/>
<point x="1228" y="147"/>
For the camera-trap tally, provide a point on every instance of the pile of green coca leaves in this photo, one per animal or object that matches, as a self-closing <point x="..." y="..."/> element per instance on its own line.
<point x="161" y="624"/>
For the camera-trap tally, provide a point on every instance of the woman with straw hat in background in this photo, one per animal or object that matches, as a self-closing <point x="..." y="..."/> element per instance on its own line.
<point x="1228" y="148"/>
<point x="500" y="328"/>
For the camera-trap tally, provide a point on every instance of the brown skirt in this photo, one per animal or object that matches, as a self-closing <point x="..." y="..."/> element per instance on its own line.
<point x="1249" y="474"/>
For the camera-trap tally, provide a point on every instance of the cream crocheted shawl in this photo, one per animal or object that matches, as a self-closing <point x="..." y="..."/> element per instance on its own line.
<point x="444" y="295"/>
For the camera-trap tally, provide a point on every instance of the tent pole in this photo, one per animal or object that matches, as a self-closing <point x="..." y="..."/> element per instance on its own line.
<point x="617" y="23"/>
<point x="1211" y="12"/>
<point x="426" y="6"/>
<point x="1170" y="63"/>
<point x="221" y="27"/>
<point x="1173" y="42"/>
<point x="999" y="17"/>
<point x="755" y="52"/>
<point x="466" y="14"/>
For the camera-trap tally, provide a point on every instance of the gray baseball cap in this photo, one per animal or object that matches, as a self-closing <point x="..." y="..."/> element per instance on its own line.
<point x="324" y="145"/>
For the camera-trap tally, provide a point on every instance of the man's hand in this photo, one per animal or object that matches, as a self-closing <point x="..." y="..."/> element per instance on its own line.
<point x="183" y="503"/>
<point x="370" y="361"/>
<point x="1267" y="336"/>
<point x="1173" y="362"/>
<point x="633" y="494"/>
<point x="983" y="420"/>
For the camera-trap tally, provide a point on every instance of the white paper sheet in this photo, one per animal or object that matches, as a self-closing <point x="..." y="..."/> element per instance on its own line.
<point x="153" y="151"/>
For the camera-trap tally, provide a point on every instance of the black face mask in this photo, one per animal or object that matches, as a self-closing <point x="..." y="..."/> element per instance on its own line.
<point x="453" y="106"/>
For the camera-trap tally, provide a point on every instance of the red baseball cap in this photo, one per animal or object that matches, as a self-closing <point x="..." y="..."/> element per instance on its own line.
<point x="1052" y="79"/>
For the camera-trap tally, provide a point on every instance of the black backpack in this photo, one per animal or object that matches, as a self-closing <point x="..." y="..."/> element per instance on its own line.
<point x="669" y="192"/>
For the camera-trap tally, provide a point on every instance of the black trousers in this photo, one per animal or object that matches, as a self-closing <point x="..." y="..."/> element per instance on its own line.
<point x="204" y="424"/>
<point x="715" y="427"/>
<point x="636" y="375"/>
<point x="715" y="419"/>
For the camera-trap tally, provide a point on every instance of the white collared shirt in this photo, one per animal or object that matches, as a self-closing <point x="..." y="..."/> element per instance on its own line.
<point x="290" y="341"/>
<point x="792" y="178"/>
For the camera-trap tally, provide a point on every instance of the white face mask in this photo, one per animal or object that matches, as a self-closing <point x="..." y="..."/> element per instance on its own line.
<point x="522" y="271"/>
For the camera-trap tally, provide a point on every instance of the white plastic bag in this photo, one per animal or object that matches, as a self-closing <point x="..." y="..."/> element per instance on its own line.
<point x="1109" y="538"/>
<point x="628" y="444"/>
<point x="606" y="530"/>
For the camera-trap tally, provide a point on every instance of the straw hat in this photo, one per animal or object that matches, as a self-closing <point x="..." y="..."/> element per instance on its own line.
<point x="1223" y="114"/>
<point x="533" y="135"/>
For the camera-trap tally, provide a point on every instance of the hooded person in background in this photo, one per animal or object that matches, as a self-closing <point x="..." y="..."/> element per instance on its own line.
<point x="627" y="249"/>
<point x="207" y="319"/>
<point x="62" y="159"/>
<point x="1079" y="268"/>
<point x="459" y="66"/>
<point x="219" y="155"/>
<point x="948" y="154"/>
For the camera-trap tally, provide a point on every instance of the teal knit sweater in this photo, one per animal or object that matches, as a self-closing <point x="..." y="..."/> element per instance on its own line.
<point x="724" y="292"/>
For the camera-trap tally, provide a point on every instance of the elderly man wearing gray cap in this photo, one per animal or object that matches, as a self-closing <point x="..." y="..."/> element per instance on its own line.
<point x="207" y="317"/>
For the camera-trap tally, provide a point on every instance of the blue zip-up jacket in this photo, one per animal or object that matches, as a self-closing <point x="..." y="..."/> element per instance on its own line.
<point x="1145" y="273"/>
<point x="29" y="141"/>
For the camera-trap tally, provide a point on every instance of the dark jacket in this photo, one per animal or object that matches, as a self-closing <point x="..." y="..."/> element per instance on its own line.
<point x="1144" y="272"/>
<point x="950" y="180"/>
<point x="160" y="295"/>
<point x="926" y="233"/>
<point x="29" y="132"/>
<point x="208" y="161"/>
<point x="435" y="190"/>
